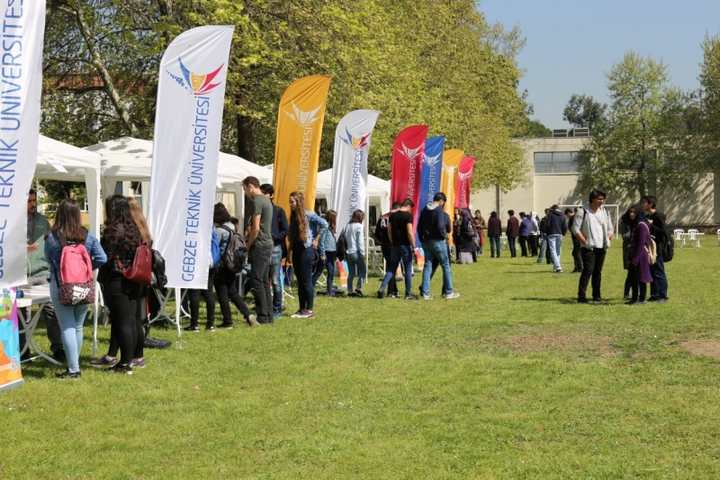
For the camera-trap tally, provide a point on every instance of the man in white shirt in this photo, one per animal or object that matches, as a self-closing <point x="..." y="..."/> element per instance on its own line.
<point x="593" y="229"/>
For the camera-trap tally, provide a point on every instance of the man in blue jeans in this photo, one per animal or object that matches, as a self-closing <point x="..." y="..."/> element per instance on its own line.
<point x="279" y="232"/>
<point x="402" y="238"/>
<point x="556" y="228"/>
<point x="433" y="228"/>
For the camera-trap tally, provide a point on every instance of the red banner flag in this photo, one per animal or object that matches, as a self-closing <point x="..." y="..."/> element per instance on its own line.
<point x="463" y="182"/>
<point x="407" y="158"/>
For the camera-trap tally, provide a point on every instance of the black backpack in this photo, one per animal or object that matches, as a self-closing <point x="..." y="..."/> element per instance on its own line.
<point x="233" y="258"/>
<point x="341" y="246"/>
<point x="381" y="231"/>
<point x="159" y="279"/>
<point x="668" y="248"/>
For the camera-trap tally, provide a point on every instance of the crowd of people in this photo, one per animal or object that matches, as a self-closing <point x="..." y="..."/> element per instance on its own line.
<point x="269" y="246"/>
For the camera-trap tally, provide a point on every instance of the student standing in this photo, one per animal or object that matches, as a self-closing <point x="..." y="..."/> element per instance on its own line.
<point x="382" y="236"/>
<point x="433" y="227"/>
<point x="355" y="255"/>
<point x="557" y="228"/>
<point x="328" y="252"/>
<point x="639" y="273"/>
<point x="225" y="280"/>
<point x="120" y="239"/>
<point x="306" y="227"/>
<point x="627" y="224"/>
<point x="577" y="257"/>
<point x="525" y="229"/>
<point x="494" y="234"/>
<point x="279" y="252"/>
<point x="512" y="232"/>
<point x="402" y="237"/>
<point x="534" y="234"/>
<point x="68" y="230"/>
<point x="480" y="227"/>
<point x="657" y="222"/>
<point x="594" y="231"/>
<point x="258" y="222"/>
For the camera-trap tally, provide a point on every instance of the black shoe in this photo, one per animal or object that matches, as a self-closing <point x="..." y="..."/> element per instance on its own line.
<point x="411" y="297"/>
<point x="209" y="327"/>
<point x="192" y="328"/>
<point x="583" y="300"/>
<point x="122" y="369"/>
<point x="226" y="326"/>
<point x="68" y="374"/>
<point x="380" y="294"/>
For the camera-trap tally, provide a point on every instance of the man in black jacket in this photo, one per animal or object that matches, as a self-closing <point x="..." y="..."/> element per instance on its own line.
<point x="279" y="251"/>
<point x="557" y="228"/>
<point x="659" y="286"/>
<point x="382" y="237"/>
<point x="433" y="228"/>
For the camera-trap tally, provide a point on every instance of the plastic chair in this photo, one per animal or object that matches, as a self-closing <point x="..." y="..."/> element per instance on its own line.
<point x="718" y="236"/>
<point x="694" y="237"/>
<point x="679" y="235"/>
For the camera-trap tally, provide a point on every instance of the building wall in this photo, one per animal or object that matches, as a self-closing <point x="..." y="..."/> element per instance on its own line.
<point x="699" y="205"/>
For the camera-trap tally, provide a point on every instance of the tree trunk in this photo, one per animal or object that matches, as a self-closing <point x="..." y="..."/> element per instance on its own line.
<point x="245" y="139"/>
<point x="99" y="64"/>
<point x="497" y="199"/>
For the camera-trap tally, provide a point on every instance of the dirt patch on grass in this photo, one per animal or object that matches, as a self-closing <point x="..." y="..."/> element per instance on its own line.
<point x="576" y="344"/>
<point x="704" y="348"/>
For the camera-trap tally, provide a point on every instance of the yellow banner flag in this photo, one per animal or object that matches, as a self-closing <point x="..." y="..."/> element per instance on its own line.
<point x="297" y="146"/>
<point x="447" y="183"/>
<point x="452" y="158"/>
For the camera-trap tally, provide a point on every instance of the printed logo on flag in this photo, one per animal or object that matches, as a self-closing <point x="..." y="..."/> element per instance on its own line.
<point x="411" y="154"/>
<point x="305" y="119"/>
<point x="302" y="117"/>
<point x="196" y="83"/>
<point x="357" y="143"/>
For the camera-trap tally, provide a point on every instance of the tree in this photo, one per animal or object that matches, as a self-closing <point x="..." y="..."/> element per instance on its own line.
<point x="643" y="144"/>
<point x="536" y="129"/>
<point x="707" y="131"/>
<point x="583" y="111"/>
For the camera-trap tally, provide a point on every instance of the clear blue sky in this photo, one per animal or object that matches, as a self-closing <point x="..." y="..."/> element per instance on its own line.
<point x="572" y="44"/>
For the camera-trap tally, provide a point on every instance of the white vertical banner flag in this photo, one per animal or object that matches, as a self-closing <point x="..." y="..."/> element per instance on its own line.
<point x="188" y="122"/>
<point x="350" y="172"/>
<point x="21" y="51"/>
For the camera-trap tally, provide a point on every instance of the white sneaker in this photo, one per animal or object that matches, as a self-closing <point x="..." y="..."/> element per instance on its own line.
<point x="451" y="296"/>
<point x="427" y="297"/>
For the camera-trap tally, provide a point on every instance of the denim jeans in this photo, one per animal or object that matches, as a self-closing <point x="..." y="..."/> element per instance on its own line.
<point x="555" y="246"/>
<point x="356" y="269"/>
<point x="276" y="265"/>
<point x="71" y="319"/>
<point x="495" y="246"/>
<point x="659" y="287"/>
<point x="402" y="254"/>
<point x="543" y="248"/>
<point x="436" y="252"/>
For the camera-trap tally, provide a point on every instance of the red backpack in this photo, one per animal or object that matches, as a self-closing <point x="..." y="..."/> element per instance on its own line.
<point x="141" y="269"/>
<point x="76" y="282"/>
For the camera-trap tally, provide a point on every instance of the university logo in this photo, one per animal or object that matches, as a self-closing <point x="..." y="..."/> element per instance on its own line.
<point x="196" y="83"/>
<point x="432" y="161"/>
<point x="356" y="143"/>
<point x="302" y="117"/>
<point x="410" y="153"/>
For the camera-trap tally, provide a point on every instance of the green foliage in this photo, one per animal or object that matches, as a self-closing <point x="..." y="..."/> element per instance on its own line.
<point x="438" y="63"/>
<point x="707" y="131"/>
<point x="536" y="129"/>
<point x="645" y="143"/>
<point x="584" y="111"/>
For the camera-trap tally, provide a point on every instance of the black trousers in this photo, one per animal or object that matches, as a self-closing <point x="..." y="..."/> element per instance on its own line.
<point x="533" y="245"/>
<point x="260" y="258"/>
<point x="524" y="246"/>
<point x="303" y="261"/>
<point x="124" y="299"/>
<point x="577" y="254"/>
<point x="511" y="246"/>
<point x="227" y="292"/>
<point x="638" y="289"/>
<point x="209" y="298"/>
<point x="593" y="261"/>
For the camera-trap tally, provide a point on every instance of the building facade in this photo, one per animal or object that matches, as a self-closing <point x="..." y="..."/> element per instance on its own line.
<point x="553" y="177"/>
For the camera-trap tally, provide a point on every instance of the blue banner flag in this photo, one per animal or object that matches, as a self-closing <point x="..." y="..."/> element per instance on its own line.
<point x="431" y="171"/>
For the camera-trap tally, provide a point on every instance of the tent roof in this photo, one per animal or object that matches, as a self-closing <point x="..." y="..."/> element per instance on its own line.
<point x="377" y="187"/>
<point x="60" y="161"/>
<point x="131" y="158"/>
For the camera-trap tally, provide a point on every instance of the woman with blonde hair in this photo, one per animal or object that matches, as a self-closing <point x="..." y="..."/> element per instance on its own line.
<point x="306" y="228"/>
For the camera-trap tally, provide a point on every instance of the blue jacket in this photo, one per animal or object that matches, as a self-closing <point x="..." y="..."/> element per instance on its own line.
<point x="327" y="242"/>
<point x="53" y="250"/>
<point x="526" y="227"/>
<point x="557" y="225"/>
<point x="314" y="224"/>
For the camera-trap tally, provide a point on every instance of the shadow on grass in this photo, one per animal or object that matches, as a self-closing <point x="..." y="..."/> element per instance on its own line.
<point x="526" y="272"/>
<point x="562" y="300"/>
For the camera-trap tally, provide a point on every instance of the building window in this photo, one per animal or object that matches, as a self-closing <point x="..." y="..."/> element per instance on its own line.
<point x="547" y="163"/>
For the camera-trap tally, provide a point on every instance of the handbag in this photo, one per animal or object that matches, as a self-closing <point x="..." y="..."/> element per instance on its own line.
<point x="140" y="271"/>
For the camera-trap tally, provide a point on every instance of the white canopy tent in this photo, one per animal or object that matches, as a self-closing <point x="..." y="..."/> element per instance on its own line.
<point x="129" y="159"/>
<point x="63" y="162"/>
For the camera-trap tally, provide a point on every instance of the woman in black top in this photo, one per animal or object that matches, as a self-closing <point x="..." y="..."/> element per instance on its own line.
<point x="494" y="233"/>
<point x="120" y="238"/>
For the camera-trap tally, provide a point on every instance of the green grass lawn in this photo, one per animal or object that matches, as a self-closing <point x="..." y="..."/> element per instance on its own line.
<point x="512" y="380"/>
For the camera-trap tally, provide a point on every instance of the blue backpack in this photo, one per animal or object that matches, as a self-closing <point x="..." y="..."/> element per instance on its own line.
<point x="215" y="249"/>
